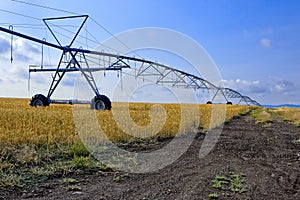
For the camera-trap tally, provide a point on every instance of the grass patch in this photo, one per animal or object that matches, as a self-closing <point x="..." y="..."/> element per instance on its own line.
<point x="246" y="110"/>
<point x="78" y="149"/>
<point x="219" y="182"/>
<point x="282" y="114"/>
<point x="232" y="183"/>
<point x="289" y="115"/>
<point x="237" y="183"/>
<point x="30" y="165"/>
<point x="10" y="180"/>
<point x="83" y="163"/>
<point x="213" y="196"/>
<point x="261" y="115"/>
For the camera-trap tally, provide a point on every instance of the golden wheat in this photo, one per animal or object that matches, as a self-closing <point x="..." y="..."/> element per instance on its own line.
<point x="21" y="124"/>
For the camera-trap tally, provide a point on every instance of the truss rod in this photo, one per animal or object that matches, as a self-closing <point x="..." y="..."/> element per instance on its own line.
<point x="79" y="69"/>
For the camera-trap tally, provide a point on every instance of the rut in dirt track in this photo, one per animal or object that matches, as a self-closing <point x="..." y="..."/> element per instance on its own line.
<point x="267" y="155"/>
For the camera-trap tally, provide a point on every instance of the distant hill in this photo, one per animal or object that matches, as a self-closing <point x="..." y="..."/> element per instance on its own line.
<point x="282" y="105"/>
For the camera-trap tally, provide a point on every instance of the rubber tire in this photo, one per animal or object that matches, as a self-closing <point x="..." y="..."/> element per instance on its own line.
<point x="229" y="103"/>
<point x="209" y="102"/>
<point x="39" y="100"/>
<point x="103" y="100"/>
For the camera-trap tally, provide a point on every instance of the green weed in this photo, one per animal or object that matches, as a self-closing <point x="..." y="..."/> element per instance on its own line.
<point x="83" y="163"/>
<point x="233" y="183"/>
<point x="261" y="115"/>
<point x="219" y="181"/>
<point x="10" y="180"/>
<point x="213" y="196"/>
<point x="117" y="178"/>
<point x="78" y="149"/>
<point x="69" y="180"/>
<point x="74" y="188"/>
<point x="245" y="111"/>
<point x="237" y="183"/>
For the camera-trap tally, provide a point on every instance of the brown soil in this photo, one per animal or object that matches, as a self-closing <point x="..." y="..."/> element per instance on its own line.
<point x="267" y="154"/>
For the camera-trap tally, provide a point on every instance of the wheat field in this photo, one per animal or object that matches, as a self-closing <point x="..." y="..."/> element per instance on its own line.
<point x="36" y="143"/>
<point x="21" y="124"/>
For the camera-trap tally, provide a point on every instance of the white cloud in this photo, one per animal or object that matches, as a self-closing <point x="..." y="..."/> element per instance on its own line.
<point x="14" y="76"/>
<point x="245" y="86"/>
<point x="270" y="85"/>
<point x="271" y="90"/>
<point x="21" y="50"/>
<point x="282" y="86"/>
<point x="265" y="42"/>
<point x="4" y="45"/>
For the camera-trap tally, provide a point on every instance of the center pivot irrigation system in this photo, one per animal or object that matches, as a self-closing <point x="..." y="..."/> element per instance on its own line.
<point x="82" y="60"/>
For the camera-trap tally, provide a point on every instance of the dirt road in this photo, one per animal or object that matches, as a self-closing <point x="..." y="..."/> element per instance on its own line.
<point x="266" y="155"/>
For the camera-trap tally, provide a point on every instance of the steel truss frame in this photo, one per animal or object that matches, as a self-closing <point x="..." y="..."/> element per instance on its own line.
<point x="78" y="59"/>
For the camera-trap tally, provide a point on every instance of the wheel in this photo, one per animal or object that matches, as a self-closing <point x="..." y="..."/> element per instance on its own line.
<point x="229" y="103"/>
<point x="209" y="102"/>
<point x="101" y="102"/>
<point x="39" y="100"/>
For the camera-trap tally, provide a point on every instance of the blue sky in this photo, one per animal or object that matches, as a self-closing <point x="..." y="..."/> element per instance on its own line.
<point x="255" y="44"/>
